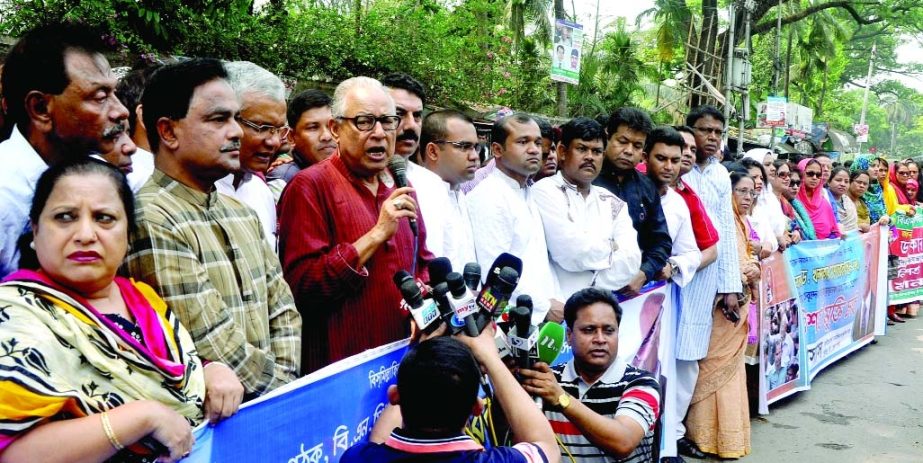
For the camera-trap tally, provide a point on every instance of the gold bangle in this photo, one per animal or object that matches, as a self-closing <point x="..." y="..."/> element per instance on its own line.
<point x="107" y="427"/>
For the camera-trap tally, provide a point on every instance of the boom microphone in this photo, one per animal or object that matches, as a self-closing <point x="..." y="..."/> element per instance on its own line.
<point x="398" y="166"/>
<point x="472" y="275"/>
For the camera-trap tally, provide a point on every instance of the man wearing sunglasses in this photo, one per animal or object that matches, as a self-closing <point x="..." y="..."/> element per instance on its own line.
<point x="262" y="118"/>
<point x="344" y="232"/>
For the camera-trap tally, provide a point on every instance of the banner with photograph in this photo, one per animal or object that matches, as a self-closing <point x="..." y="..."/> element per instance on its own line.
<point x="315" y="419"/>
<point x="820" y="300"/>
<point x="566" y="52"/>
<point x="906" y="272"/>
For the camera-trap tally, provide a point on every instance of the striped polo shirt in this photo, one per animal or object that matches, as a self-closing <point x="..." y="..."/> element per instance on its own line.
<point x="461" y="449"/>
<point x="623" y="390"/>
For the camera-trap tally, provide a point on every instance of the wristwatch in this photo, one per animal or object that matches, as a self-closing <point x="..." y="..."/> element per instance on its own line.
<point x="563" y="401"/>
<point x="673" y="267"/>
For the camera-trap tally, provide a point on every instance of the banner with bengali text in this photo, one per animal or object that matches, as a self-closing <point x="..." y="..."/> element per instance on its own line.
<point x="315" y="419"/>
<point x="906" y="282"/>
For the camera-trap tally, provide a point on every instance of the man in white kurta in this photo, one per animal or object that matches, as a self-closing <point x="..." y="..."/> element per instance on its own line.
<point x="591" y="239"/>
<point x="507" y="218"/>
<point x="448" y="148"/>
<point x="663" y="154"/>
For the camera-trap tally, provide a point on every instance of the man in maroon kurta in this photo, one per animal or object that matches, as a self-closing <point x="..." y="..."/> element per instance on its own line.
<point x="344" y="232"/>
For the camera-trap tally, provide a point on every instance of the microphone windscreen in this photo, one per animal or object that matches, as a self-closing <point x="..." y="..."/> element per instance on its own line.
<point x="550" y="342"/>
<point x="438" y="269"/>
<point x="509" y="278"/>
<point x="400" y="276"/>
<point x="503" y="260"/>
<point x="398" y="166"/>
<point x="524" y="300"/>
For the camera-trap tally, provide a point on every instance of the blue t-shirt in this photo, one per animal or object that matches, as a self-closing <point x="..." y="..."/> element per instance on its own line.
<point x="461" y="449"/>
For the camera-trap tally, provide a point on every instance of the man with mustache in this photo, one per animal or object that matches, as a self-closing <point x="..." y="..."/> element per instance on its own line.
<point x="59" y="94"/>
<point x="202" y="251"/>
<point x="628" y="129"/>
<point x="345" y="230"/>
<point x="506" y="211"/>
<point x="409" y="100"/>
<point x="448" y="145"/>
<point x="593" y="241"/>
<point x="721" y="281"/>
<point x="309" y="117"/>
<point x="601" y="408"/>
<point x="262" y="117"/>
<point x="663" y="154"/>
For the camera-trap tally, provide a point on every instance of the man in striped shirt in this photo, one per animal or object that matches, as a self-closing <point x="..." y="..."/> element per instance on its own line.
<point x="601" y="409"/>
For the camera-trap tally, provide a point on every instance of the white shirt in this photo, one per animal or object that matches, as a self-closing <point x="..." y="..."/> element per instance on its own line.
<point x="142" y="166"/>
<point x="22" y="166"/>
<point x="685" y="255"/>
<point x="591" y="239"/>
<point x="508" y="221"/>
<point x="445" y="212"/>
<point x="254" y="192"/>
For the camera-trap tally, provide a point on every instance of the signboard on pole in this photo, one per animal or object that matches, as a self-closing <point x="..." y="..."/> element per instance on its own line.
<point x="775" y="111"/>
<point x="862" y="133"/>
<point x="566" y="52"/>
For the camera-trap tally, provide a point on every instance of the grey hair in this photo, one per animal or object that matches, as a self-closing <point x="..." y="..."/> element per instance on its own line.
<point x="338" y="107"/>
<point x="246" y="77"/>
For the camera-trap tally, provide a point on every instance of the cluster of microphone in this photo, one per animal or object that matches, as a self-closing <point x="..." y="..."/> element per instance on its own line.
<point x="463" y="305"/>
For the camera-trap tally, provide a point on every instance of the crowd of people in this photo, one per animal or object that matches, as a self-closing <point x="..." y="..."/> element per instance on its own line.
<point x="188" y="237"/>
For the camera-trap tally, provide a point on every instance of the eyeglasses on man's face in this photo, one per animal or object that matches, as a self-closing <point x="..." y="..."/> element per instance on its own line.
<point x="265" y="130"/>
<point x="461" y="145"/>
<point x="366" y="122"/>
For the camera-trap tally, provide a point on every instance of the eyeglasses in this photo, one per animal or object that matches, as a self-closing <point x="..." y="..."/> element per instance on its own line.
<point x="366" y="122"/>
<point x="795" y="183"/>
<point x="812" y="174"/>
<point x="707" y="130"/>
<point x="904" y="174"/>
<point x="462" y="145"/>
<point x="783" y="174"/>
<point x="266" y="130"/>
<point x="752" y="193"/>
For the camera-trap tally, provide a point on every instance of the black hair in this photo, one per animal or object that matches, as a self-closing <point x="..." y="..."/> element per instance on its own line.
<point x="666" y="135"/>
<point x="561" y="47"/>
<point x="438" y="382"/>
<point x="737" y="176"/>
<point x="129" y="91"/>
<point x="837" y="170"/>
<point x="36" y="63"/>
<point x="581" y="128"/>
<point x="636" y="119"/>
<point x="405" y="82"/>
<point x="585" y="298"/>
<point x="684" y="129"/>
<point x="545" y="128"/>
<point x="822" y="155"/>
<point x="499" y="132"/>
<point x="82" y="167"/>
<point x="751" y="163"/>
<point x="702" y="111"/>
<point x="170" y="89"/>
<point x="780" y="162"/>
<point x="306" y="101"/>
<point x="436" y="125"/>
<point x="856" y="173"/>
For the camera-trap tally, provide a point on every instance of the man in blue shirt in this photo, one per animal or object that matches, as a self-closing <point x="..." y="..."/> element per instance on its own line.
<point x="437" y="391"/>
<point x="628" y="129"/>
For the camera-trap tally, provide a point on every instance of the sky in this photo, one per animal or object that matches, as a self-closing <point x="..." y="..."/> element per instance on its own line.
<point x="609" y="10"/>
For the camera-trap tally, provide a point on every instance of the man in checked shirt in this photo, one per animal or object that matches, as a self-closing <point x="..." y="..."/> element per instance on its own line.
<point x="205" y="252"/>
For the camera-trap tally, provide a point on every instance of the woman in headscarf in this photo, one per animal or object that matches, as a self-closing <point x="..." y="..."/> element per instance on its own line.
<point x="811" y="199"/>
<point x="873" y="197"/>
<point x="845" y="208"/>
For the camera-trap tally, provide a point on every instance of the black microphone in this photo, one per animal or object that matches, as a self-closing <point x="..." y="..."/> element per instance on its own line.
<point x="423" y="311"/>
<point x="503" y="260"/>
<point x="398" y="166"/>
<point x="495" y="295"/>
<point x="463" y="303"/>
<point x="472" y="275"/>
<point x="438" y="269"/>
<point x="522" y="336"/>
<point x="441" y="296"/>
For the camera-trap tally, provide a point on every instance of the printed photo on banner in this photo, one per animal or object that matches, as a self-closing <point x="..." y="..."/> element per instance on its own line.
<point x="566" y="51"/>
<point x="782" y="351"/>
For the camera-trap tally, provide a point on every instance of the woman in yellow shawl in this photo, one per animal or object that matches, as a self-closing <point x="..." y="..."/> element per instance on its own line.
<point x="95" y="367"/>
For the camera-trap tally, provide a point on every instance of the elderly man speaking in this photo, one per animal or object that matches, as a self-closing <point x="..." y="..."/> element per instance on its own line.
<point x="345" y="231"/>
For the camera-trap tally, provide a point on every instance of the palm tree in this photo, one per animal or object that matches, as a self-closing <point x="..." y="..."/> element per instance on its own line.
<point x="900" y="111"/>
